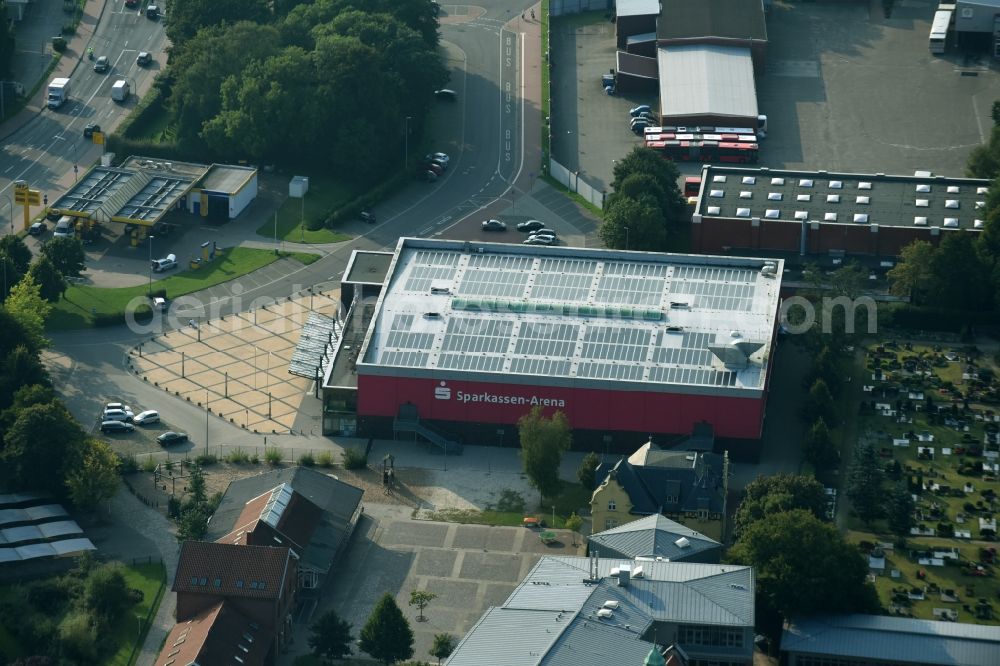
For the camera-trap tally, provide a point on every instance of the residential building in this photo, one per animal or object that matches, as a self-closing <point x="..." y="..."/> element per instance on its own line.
<point x="878" y="640"/>
<point x="308" y="511"/>
<point x="576" y="611"/>
<point x="687" y="486"/>
<point x="655" y="537"/>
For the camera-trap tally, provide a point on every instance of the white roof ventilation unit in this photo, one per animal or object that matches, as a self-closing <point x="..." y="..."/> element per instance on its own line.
<point x="605" y="613"/>
<point x="683" y="542"/>
<point x="613" y="605"/>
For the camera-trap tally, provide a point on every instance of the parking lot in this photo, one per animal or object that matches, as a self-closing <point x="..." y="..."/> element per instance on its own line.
<point x="845" y="89"/>
<point x="468" y="567"/>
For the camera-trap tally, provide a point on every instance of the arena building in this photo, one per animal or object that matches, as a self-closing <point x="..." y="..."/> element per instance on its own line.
<point x="463" y="339"/>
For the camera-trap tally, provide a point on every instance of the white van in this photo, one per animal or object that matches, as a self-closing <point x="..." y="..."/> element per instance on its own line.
<point x="65" y="228"/>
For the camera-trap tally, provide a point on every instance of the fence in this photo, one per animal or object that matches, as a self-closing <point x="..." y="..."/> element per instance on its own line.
<point x="235" y="453"/>
<point x="147" y="622"/>
<point x="571" y="180"/>
<point x="563" y="7"/>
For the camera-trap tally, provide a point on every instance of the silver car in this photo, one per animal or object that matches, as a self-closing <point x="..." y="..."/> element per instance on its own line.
<point x="147" y="417"/>
<point x="117" y="415"/>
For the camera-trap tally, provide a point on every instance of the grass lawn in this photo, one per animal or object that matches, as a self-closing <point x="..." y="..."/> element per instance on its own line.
<point x="81" y="303"/>
<point x="325" y="195"/>
<point x="571" y="499"/>
<point x="148" y="578"/>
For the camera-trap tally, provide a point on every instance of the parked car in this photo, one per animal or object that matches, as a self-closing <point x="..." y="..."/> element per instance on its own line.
<point x="367" y="217"/>
<point x="636" y="110"/>
<point x="144" y="58"/>
<point x="88" y="130"/>
<point x="540" y="240"/>
<point x="171" y="437"/>
<point x="441" y="158"/>
<point x="147" y="417"/>
<point x="542" y="232"/>
<point x="116" y="426"/>
<point x="165" y="264"/>
<point x="117" y="405"/>
<point x="545" y="237"/>
<point x="494" y="225"/>
<point x="37" y="229"/>
<point x="132" y="4"/>
<point x="446" y="94"/>
<point x="102" y="65"/>
<point x="159" y="304"/>
<point x="428" y="175"/>
<point x="436" y="168"/>
<point x="530" y="225"/>
<point x="152" y="12"/>
<point x="117" y="415"/>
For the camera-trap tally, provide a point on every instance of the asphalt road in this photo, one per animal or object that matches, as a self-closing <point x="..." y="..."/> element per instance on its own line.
<point x="45" y="150"/>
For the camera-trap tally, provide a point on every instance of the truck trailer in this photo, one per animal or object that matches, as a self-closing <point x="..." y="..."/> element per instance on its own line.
<point x="120" y="91"/>
<point x="58" y="92"/>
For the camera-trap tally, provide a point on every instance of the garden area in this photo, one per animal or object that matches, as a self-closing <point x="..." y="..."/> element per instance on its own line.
<point x="98" y="613"/>
<point x="306" y="220"/>
<point x="929" y="421"/>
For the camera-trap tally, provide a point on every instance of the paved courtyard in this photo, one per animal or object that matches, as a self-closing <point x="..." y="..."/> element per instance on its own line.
<point x="237" y="366"/>
<point x="468" y="567"/>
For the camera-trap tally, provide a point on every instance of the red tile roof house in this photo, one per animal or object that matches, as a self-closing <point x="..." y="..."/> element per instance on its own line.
<point x="273" y="534"/>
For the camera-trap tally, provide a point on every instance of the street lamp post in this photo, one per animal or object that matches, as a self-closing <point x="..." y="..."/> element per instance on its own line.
<point x="255" y="350"/>
<point x="207" y="412"/>
<point x="406" y="143"/>
<point x="10" y="203"/>
<point x="626" y="238"/>
<point x="149" y="292"/>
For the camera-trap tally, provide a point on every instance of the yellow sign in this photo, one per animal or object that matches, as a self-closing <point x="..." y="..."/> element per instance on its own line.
<point x="98" y="138"/>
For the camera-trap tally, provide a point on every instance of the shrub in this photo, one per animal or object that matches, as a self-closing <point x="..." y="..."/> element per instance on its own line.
<point x="354" y="458"/>
<point x="307" y="460"/>
<point x="148" y="465"/>
<point x="255" y="459"/>
<point x="325" y="459"/>
<point x="206" y="459"/>
<point x="238" y="456"/>
<point x="128" y="464"/>
<point x="47" y="595"/>
<point x="78" y="637"/>
<point x="173" y="507"/>
<point x="272" y="456"/>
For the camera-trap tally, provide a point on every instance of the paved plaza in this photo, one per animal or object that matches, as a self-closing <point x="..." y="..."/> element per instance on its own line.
<point x="238" y="366"/>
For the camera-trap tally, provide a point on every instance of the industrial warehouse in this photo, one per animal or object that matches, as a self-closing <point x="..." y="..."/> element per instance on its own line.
<point x="454" y="342"/>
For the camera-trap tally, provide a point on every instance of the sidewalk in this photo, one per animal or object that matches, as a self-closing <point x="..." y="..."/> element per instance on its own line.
<point x="33" y="52"/>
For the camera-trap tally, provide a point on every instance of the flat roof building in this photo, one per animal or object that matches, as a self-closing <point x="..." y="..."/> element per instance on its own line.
<point x="479" y="333"/>
<point x="819" y="212"/>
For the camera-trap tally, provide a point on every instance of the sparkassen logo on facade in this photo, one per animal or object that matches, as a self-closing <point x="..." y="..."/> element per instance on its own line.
<point x="443" y="392"/>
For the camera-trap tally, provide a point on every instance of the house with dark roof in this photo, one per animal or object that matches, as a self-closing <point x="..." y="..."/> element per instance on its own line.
<point x="687" y="486"/>
<point x="578" y="611"/>
<point x="234" y="604"/>
<point x="307" y="511"/>
<point x="878" y="640"/>
<point x="655" y="538"/>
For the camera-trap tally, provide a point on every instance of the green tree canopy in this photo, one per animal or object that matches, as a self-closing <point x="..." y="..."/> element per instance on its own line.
<point x="864" y="483"/>
<point x="106" y="593"/>
<point x="21" y="367"/>
<point x="420" y="599"/>
<point x="900" y="508"/>
<point x="802" y="564"/>
<point x="96" y="479"/>
<point x="387" y="635"/>
<point x="633" y="224"/>
<point x="26" y="305"/>
<point x="961" y="280"/>
<point x="41" y="445"/>
<point x="588" y="470"/>
<point x="51" y="284"/>
<point x="543" y="441"/>
<point x="913" y="276"/>
<point x="819" y="448"/>
<point x="67" y="255"/>
<point x="768" y="495"/>
<point x="9" y="276"/>
<point x="330" y="637"/>
<point x="819" y="404"/>
<point x="14" y="247"/>
<point x="187" y="17"/>
<point x="573" y="524"/>
<point x="444" y="645"/>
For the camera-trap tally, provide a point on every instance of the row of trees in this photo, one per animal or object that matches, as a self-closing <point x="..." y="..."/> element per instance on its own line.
<point x="646" y="210"/>
<point x="386" y="636"/>
<point x="331" y="82"/>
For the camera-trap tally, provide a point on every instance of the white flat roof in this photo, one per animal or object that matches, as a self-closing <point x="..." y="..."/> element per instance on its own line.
<point x="705" y="79"/>
<point x="502" y="312"/>
<point x="637" y="7"/>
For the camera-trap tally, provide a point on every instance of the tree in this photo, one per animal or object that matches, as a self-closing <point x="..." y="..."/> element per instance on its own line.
<point x="984" y="161"/>
<point x="961" y="280"/>
<point x="819" y="448"/>
<point x="96" y="479"/>
<point x="900" y="509"/>
<point x="25" y="303"/>
<point x="51" y="284"/>
<point x="642" y="160"/>
<point x="573" y="524"/>
<point x="587" y="473"/>
<point x="543" y="441"/>
<point x="330" y="637"/>
<point x="187" y="17"/>
<point x="193" y="523"/>
<point x="633" y="224"/>
<point x="14" y="247"/>
<point x="387" y="635"/>
<point x="21" y="367"/>
<point x="913" y="275"/>
<point x="802" y="564"/>
<point x="420" y="599"/>
<point x="67" y="255"/>
<point x="106" y="592"/>
<point x="9" y="276"/>
<point x="444" y="645"/>
<point x="769" y="495"/>
<point x="819" y="404"/>
<point x="42" y="443"/>
<point x="78" y="637"/>
<point x="864" y="483"/>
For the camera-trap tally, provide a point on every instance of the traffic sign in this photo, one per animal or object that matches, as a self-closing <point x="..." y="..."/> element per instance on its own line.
<point x="35" y="197"/>
<point x="98" y="138"/>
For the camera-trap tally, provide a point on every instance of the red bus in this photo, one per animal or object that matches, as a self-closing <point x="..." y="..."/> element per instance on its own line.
<point x="706" y="151"/>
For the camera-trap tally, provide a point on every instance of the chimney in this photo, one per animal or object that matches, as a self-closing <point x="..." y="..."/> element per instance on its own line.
<point x="624" y="574"/>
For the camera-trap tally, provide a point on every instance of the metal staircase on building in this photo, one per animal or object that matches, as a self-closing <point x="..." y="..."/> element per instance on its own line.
<point x="412" y="424"/>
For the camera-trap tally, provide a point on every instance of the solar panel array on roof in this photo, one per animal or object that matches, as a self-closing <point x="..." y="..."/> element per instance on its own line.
<point x="573" y="313"/>
<point x="318" y="335"/>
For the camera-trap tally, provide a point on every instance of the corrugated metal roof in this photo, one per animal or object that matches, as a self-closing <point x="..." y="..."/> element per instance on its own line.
<point x="654" y="536"/>
<point x="637" y="7"/>
<point x="491" y="641"/>
<point x="11" y="499"/>
<point x="587" y="643"/>
<point x="894" y="639"/>
<point x="706" y="79"/>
